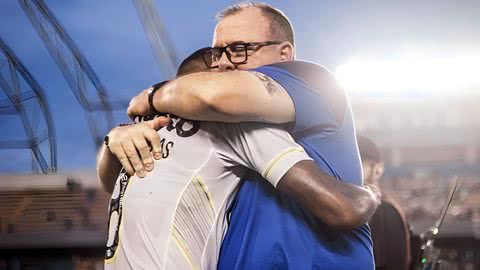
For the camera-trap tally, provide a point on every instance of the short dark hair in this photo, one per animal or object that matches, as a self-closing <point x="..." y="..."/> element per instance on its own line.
<point x="280" y="26"/>
<point x="193" y="63"/>
<point x="368" y="149"/>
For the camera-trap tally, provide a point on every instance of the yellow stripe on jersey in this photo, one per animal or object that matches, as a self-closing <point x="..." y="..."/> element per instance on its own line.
<point x="183" y="247"/>
<point x="276" y="159"/>
<point x="194" y="216"/>
<point x="198" y="179"/>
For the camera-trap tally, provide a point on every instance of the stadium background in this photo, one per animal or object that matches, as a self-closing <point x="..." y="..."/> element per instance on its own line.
<point x="409" y="68"/>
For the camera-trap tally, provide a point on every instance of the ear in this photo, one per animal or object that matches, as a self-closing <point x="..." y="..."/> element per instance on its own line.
<point x="379" y="169"/>
<point x="287" y="51"/>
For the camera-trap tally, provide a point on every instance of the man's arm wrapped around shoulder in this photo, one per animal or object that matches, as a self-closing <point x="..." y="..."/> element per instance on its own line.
<point x="234" y="96"/>
<point x="279" y="93"/>
<point x="273" y="153"/>
<point x="339" y="204"/>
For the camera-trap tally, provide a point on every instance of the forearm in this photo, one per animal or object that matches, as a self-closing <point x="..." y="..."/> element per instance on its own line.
<point x="108" y="168"/>
<point x="184" y="99"/>
<point x="236" y="96"/>
<point x="338" y="204"/>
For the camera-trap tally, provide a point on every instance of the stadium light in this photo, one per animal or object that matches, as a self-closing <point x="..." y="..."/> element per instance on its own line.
<point x="419" y="74"/>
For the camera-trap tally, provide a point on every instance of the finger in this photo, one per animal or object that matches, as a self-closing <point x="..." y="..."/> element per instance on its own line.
<point x="118" y="152"/>
<point x="159" y="122"/>
<point x="144" y="150"/>
<point x="376" y="191"/>
<point x="132" y="155"/>
<point x="154" y="140"/>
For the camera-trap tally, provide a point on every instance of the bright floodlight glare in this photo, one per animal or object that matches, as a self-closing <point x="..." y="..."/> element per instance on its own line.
<point x="436" y="75"/>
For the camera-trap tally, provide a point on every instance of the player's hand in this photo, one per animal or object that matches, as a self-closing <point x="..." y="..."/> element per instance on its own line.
<point x="134" y="145"/>
<point x="375" y="190"/>
<point x="139" y="105"/>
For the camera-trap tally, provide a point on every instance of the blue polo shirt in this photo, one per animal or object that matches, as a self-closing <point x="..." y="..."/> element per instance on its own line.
<point x="267" y="229"/>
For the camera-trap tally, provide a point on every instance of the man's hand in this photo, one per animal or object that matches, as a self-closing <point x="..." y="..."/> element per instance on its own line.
<point x="139" y="105"/>
<point x="135" y="144"/>
<point x="339" y="204"/>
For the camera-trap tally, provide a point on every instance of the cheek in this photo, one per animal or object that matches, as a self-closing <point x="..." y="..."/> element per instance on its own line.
<point x="255" y="61"/>
<point x="267" y="59"/>
<point x="251" y="64"/>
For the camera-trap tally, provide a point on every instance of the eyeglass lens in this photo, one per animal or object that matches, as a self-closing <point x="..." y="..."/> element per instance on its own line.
<point x="236" y="53"/>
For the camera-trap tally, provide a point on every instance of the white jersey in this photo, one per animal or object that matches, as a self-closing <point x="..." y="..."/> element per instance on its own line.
<point x="174" y="218"/>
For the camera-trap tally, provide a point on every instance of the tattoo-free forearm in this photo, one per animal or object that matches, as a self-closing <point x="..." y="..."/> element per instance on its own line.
<point x="108" y="168"/>
<point x="337" y="203"/>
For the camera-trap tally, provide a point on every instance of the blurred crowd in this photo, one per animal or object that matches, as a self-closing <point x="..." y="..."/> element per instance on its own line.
<point x="423" y="196"/>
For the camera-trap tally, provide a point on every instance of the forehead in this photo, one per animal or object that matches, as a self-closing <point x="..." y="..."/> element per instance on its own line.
<point x="248" y="25"/>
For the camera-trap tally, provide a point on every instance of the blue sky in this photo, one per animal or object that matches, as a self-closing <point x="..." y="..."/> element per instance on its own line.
<point x="112" y="39"/>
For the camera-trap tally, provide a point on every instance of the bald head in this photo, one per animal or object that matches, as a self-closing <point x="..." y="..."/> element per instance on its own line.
<point x="279" y="26"/>
<point x="254" y="23"/>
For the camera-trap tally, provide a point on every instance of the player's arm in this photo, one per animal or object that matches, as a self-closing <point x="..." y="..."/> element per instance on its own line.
<point x="337" y="203"/>
<point x="280" y="160"/>
<point x="108" y="168"/>
<point x="234" y="96"/>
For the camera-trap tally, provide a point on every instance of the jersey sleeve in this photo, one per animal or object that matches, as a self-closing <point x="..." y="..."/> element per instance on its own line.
<point x="319" y="102"/>
<point x="266" y="149"/>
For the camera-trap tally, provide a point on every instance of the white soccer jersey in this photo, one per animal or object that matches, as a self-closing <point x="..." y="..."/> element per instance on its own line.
<point x="174" y="218"/>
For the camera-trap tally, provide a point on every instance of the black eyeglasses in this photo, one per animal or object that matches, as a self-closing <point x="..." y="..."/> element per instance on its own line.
<point x="237" y="52"/>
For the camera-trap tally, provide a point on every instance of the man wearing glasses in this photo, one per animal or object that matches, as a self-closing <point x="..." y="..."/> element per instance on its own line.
<point x="254" y="49"/>
<point x="175" y="217"/>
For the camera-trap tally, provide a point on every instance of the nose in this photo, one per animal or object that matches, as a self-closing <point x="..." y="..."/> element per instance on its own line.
<point x="224" y="64"/>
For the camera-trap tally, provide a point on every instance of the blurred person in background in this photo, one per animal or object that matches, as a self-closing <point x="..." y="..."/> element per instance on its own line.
<point x="390" y="232"/>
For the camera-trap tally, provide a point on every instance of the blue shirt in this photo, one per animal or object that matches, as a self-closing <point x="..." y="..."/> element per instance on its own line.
<point x="269" y="230"/>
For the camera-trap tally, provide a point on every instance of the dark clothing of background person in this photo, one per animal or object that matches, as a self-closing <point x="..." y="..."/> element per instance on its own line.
<point x="391" y="237"/>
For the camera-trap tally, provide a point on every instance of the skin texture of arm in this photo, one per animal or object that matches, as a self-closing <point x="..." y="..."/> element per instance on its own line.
<point x="234" y="96"/>
<point x="108" y="168"/>
<point x="339" y="204"/>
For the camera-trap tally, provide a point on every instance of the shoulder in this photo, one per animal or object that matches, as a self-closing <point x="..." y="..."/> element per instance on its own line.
<point x="390" y="213"/>
<point x="315" y="75"/>
<point x="303" y="68"/>
<point x="298" y="75"/>
<point x="312" y="87"/>
<point x="390" y="203"/>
